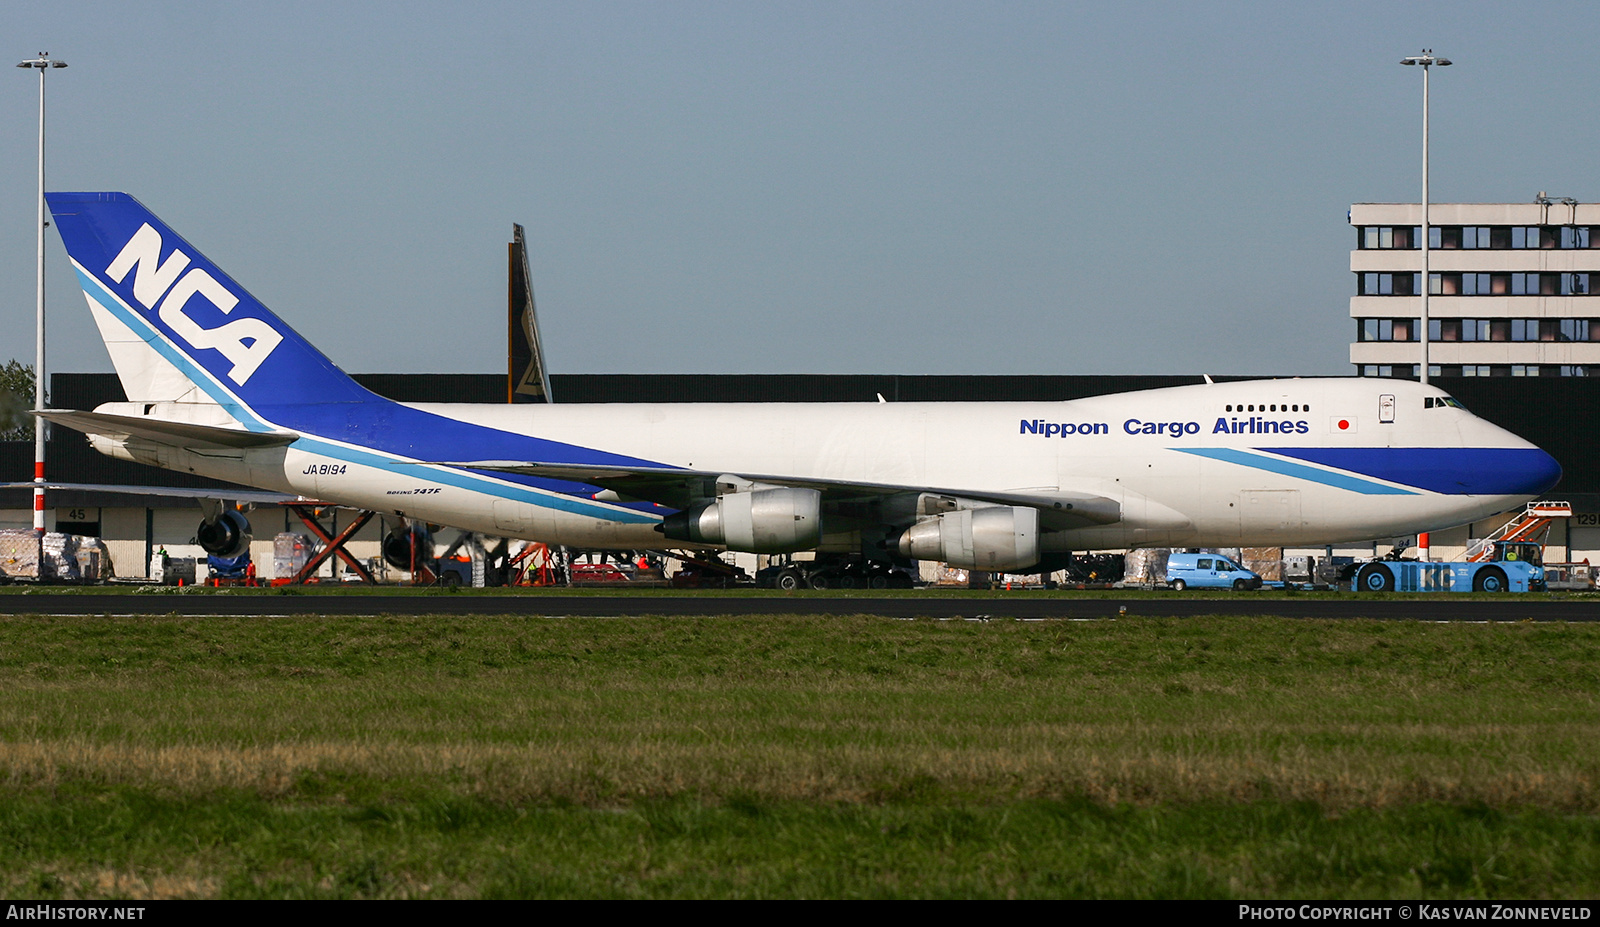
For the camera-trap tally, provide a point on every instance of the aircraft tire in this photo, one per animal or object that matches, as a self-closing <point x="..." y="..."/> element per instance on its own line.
<point x="1179" y="585"/>
<point x="1374" y="577"/>
<point x="789" y="580"/>
<point x="819" y="581"/>
<point x="1490" y="579"/>
<point x="878" y="582"/>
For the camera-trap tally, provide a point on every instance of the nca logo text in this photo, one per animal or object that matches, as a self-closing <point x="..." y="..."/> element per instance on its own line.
<point x="245" y="342"/>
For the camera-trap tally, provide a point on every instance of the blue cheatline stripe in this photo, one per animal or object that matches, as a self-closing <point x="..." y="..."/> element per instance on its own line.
<point x="1299" y="471"/>
<point x="464" y="480"/>
<point x="407" y="469"/>
<point x="1484" y="471"/>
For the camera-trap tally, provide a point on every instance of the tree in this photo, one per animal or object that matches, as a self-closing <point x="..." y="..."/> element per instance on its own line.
<point x="16" y="398"/>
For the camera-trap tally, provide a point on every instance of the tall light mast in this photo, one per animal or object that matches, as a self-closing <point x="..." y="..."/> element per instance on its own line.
<point x="42" y="63"/>
<point x="1427" y="60"/>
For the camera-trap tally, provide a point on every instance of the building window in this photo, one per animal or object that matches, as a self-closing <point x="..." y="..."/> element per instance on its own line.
<point x="1386" y="237"/>
<point x="1451" y="237"/>
<point x="1574" y="371"/>
<point x="1389" y="284"/>
<point x="1519" y="284"/>
<point x="1577" y="330"/>
<point x="1503" y="237"/>
<point x="1530" y="236"/>
<point x="1386" y="329"/>
<point x="1482" y="237"/>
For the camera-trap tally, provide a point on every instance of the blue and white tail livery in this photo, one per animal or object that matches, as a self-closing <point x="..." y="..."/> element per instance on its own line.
<point x="219" y="385"/>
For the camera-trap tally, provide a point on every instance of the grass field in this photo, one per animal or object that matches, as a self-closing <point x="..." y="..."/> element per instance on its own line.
<point x="774" y="757"/>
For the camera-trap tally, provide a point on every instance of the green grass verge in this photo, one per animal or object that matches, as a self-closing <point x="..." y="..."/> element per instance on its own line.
<point x="1220" y="597"/>
<point x="778" y="757"/>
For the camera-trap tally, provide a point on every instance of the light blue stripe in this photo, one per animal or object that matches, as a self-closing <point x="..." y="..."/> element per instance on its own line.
<point x="456" y="478"/>
<point x="1299" y="471"/>
<point x="467" y="481"/>
<point x="170" y="353"/>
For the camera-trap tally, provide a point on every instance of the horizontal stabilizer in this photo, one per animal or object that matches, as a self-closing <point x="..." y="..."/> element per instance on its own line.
<point x="167" y="492"/>
<point x="176" y="434"/>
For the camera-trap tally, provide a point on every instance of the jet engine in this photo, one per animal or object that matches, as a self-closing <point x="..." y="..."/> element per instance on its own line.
<point x="226" y="536"/>
<point x="399" y="544"/>
<point x="762" y="521"/>
<point x="997" y="538"/>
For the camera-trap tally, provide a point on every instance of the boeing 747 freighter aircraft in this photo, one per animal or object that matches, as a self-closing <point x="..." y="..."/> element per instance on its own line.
<point x="219" y="386"/>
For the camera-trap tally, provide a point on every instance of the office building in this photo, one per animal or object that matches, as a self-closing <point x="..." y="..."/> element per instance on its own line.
<point x="1511" y="289"/>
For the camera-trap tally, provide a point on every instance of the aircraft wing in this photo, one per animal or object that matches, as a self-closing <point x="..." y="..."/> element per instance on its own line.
<point x="678" y="487"/>
<point x="177" y="434"/>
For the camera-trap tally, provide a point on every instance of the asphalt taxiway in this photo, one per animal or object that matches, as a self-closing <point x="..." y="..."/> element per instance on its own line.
<point x="1442" y="607"/>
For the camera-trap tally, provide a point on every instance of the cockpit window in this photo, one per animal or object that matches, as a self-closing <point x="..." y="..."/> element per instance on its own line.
<point x="1440" y="402"/>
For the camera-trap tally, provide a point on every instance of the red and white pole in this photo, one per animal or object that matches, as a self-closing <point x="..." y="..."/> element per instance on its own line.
<point x="38" y="353"/>
<point x="42" y="63"/>
<point x="1422" y="547"/>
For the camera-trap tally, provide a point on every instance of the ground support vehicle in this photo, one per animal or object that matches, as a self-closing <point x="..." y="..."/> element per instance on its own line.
<point x="1576" y="577"/>
<point x="707" y="571"/>
<point x="1520" y="573"/>
<point x="607" y="574"/>
<point x="1509" y="560"/>
<point x="1208" y="571"/>
<point x="831" y="571"/>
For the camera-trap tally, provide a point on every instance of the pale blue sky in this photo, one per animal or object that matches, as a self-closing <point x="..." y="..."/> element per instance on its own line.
<point x="920" y="187"/>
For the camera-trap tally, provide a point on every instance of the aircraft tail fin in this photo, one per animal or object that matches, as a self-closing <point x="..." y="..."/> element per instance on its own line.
<point x="530" y="379"/>
<point x="177" y="327"/>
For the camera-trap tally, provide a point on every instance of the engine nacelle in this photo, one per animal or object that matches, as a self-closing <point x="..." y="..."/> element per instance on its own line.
<point x="997" y="538"/>
<point x="408" y="547"/>
<point x="764" y="521"/>
<point x="226" y="536"/>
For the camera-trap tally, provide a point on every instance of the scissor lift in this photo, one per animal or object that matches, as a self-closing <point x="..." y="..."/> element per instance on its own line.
<point x="331" y="546"/>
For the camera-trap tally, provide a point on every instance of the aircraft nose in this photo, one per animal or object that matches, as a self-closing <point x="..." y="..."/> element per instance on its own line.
<point x="1540" y="471"/>
<point x="1506" y="464"/>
